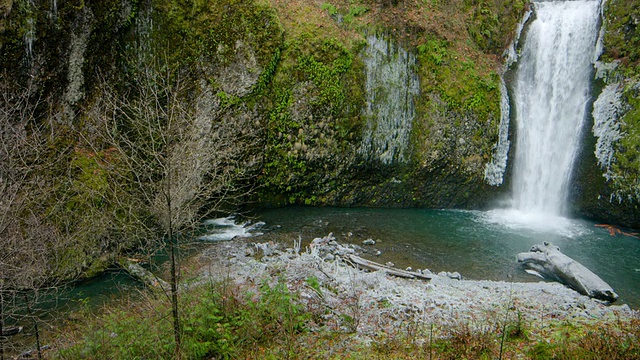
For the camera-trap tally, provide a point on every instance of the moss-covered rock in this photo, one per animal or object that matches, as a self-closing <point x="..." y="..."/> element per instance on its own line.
<point x="610" y="190"/>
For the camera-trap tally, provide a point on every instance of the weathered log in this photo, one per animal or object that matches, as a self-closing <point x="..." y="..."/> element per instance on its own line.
<point x="548" y="261"/>
<point x="140" y="273"/>
<point x="374" y="266"/>
<point x="12" y="330"/>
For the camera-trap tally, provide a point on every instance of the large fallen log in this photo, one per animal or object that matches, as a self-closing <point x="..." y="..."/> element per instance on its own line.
<point x="374" y="266"/>
<point x="548" y="261"/>
<point x="12" y="330"/>
<point x="140" y="273"/>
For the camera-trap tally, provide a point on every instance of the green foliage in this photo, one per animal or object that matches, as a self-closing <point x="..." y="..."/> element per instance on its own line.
<point x="329" y="8"/>
<point x="119" y="334"/>
<point x="489" y="20"/>
<point x="622" y="43"/>
<point x="622" y="36"/>
<point x="434" y="50"/>
<point x="268" y="73"/>
<point x="92" y="181"/>
<point x="458" y="81"/>
<point x="354" y="12"/>
<point x="219" y="321"/>
<point x="329" y="74"/>
<point x="212" y="29"/>
<point x="224" y="321"/>
<point x="348" y="14"/>
<point x="227" y="100"/>
<point x="326" y="76"/>
<point x="314" y="284"/>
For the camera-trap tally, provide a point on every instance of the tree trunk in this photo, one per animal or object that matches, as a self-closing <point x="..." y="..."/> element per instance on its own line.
<point x="174" y="300"/>
<point x="1" y="325"/>
<point x="174" y="279"/>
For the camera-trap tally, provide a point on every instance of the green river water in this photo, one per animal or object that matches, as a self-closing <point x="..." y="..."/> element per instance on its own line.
<point x="478" y="245"/>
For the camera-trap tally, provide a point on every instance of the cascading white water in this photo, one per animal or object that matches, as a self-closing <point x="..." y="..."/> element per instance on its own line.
<point x="551" y="93"/>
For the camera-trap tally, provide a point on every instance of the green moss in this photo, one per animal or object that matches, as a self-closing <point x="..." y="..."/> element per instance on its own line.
<point x="458" y="80"/>
<point x="622" y="44"/>
<point x="492" y="22"/>
<point x="622" y="37"/>
<point x="205" y="30"/>
<point x="92" y="182"/>
<point x="329" y="75"/>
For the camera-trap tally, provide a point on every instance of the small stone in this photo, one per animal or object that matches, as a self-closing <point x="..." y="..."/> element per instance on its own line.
<point x="378" y="252"/>
<point x="369" y="242"/>
<point x="409" y="269"/>
<point x="390" y="264"/>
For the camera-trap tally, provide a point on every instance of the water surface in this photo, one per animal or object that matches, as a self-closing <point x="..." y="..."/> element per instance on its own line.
<point x="479" y="245"/>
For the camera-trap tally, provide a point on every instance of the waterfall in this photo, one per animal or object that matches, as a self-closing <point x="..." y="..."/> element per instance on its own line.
<point x="495" y="169"/>
<point x="30" y="36"/>
<point x="391" y="86"/>
<point x="551" y="94"/>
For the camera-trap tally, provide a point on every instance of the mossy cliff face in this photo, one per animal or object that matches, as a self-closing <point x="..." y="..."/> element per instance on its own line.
<point x="429" y="145"/>
<point x="63" y="216"/>
<point x="317" y="122"/>
<point x="299" y="78"/>
<point x="608" y="186"/>
<point x="66" y="62"/>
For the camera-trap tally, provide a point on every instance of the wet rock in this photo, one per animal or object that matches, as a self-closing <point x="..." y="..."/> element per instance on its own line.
<point x="451" y="275"/>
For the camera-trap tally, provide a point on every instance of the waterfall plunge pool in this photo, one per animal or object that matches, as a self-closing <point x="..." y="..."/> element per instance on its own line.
<point x="479" y="245"/>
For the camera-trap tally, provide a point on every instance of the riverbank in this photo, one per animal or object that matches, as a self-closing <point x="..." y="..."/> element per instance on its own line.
<point x="379" y="303"/>
<point x="251" y="299"/>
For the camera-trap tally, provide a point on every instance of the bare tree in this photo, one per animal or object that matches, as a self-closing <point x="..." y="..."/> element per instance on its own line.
<point x="180" y="152"/>
<point x="29" y="244"/>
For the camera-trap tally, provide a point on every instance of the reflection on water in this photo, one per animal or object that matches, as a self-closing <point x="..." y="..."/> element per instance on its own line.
<point x="479" y="245"/>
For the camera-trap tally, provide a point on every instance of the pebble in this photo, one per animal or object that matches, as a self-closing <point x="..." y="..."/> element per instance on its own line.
<point x="369" y="242"/>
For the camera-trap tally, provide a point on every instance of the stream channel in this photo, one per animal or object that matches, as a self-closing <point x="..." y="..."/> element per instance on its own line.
<point x="478" y="245"/>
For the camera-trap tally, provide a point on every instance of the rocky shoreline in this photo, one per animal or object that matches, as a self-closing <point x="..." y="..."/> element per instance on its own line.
<point x="370" y="303"/>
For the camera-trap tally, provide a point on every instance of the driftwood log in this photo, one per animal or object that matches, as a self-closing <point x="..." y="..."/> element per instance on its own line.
<point x="374" y="266"/>
<point x="12" y="330"/>
<point x="140" y="273"/>
<point x="548" y="261"/>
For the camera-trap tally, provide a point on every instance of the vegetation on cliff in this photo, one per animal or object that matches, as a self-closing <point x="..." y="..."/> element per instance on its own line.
<point x="622" y="45"/>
